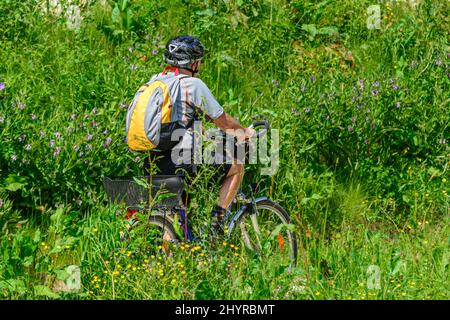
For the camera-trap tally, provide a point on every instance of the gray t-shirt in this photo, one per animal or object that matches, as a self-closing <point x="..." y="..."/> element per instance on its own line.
<point x="189" y="96"/>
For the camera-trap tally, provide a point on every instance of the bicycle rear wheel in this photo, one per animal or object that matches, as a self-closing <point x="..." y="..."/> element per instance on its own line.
<point x="269" y="234"/>
<point x="151" y="236"/>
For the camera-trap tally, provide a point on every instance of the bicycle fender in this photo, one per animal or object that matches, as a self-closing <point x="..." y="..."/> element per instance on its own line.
<point x="239" y="214"/>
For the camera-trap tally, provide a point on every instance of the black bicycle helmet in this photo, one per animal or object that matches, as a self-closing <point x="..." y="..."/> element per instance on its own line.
<point x="183" y="50"/>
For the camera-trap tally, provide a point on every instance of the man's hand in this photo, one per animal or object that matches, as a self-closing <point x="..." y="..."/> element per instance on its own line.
<point x="244" y="135"/>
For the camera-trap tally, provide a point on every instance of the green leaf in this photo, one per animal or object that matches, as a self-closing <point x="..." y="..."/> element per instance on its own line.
<point x="40" y="290"/>
<point x="207" y="12"/>
<point x="166" y="195"/>
<point x="177" y="228"/>
<point x="124" y="4"/>
<point x="14" y="186"/>
<point x="327" y="30"/>
<point x="28" y="261"/>
<point x="311" y="29"/>
<point x="115" y="16"/>
<point x="140" y="182"/>
<point x="37" y="236"/>
<point x="276" y="231"/>
<point x="62" y="274"/>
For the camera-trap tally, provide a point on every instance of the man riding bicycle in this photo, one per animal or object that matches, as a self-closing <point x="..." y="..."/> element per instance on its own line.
<point x="189" y="98"/>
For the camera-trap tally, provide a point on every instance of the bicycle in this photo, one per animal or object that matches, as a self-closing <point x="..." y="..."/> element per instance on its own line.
<point x="265" y="227"/>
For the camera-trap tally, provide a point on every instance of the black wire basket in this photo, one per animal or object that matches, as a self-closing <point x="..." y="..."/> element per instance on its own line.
<point x="166" y="191"/>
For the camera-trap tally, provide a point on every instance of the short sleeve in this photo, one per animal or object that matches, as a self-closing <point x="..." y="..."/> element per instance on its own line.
<point x="202" y="98"/>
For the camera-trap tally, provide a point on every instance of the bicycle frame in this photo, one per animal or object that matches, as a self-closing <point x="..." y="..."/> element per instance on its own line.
<point x="231" y="224"/>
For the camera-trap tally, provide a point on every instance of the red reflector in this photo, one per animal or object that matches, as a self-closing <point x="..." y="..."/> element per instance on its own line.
<point x="131" y="214"/>
<point x="280" y="241"/>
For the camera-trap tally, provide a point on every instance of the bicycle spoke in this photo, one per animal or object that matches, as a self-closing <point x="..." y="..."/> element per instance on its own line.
<point x="257" y="230"/>
<point x="267" y="233"/>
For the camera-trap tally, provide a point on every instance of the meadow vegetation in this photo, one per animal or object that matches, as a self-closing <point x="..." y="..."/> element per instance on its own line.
<point x="363" y="117"/>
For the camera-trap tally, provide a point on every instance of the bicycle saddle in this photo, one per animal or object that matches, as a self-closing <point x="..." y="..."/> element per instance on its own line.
<point x="132" y="190"/>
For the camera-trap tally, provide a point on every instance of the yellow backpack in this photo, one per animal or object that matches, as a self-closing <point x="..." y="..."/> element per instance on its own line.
<point x="149" y="118"/>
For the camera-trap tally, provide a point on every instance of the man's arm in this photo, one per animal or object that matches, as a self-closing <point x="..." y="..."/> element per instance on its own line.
<point x="227" y="122"/>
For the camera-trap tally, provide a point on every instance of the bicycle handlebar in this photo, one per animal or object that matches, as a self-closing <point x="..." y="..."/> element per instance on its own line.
<point x="260" y="123"/>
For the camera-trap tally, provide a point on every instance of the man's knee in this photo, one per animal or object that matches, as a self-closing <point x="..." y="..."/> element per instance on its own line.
<point x="236" y="169"/>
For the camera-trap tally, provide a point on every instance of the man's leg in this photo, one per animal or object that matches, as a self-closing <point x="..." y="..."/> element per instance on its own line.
<point x="230" y="185"/>
<point x="228" y="191"/>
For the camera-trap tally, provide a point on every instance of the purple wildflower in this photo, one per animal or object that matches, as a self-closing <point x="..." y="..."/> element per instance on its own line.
<point x="76" y="148"/>
<point x="295" y="111"/>
<point x="147" y="38"/>
<point x="155" y="52"/>
<point x="52" y="143"/>
<point x="130" y="49"/>
<point x="41" y="133"/>
<point x="397" y="104"/>
<point x="137" y="159"/>
<point x="22" y="138"/>
<point x="21" y="105"/>
<point x="105" y="132"/>
<point x="89" y="137"/>
<point x="2" y="86"/>
<point x="73" y="117"/>
<point x="376" y="84"/>
<point x="57" y="135"/>
<point x="373" y="125"/>
<point x="133" y="67"/>
<point x="353" y="120"/>
<point x="358" y="106"/>
<point x="366" y="141"/>
<point x="374" y="93"/>
<point x="28" y="147"/>
<point x="57" y="152"/>
<point x="313" y="78"/>
<point x="361" y="85"/>
<point x="307" y="110"/>
<point x="94" y="111"/>
<point x="88" y="147"/>
<point x="81" y="154"/>
<point x="86" y="116"/>
<point x="94" y="124"/>
<point x="107" y="142"/>
<point x="350" y="129"/>
<point x="124" y="105"/>
<point x="395" y="87"/>
<point x="33" y="117"/>
<point x="275" y="83"/>
<point x="13" y="157"/>
<point x="438" y="62"/>
<point x="2" y="120"/>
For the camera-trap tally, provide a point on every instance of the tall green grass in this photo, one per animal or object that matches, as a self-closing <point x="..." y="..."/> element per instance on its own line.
<point x="364" y="132"/>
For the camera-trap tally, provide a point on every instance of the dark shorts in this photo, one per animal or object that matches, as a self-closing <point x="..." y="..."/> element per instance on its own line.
<point x="165" y="166"/>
